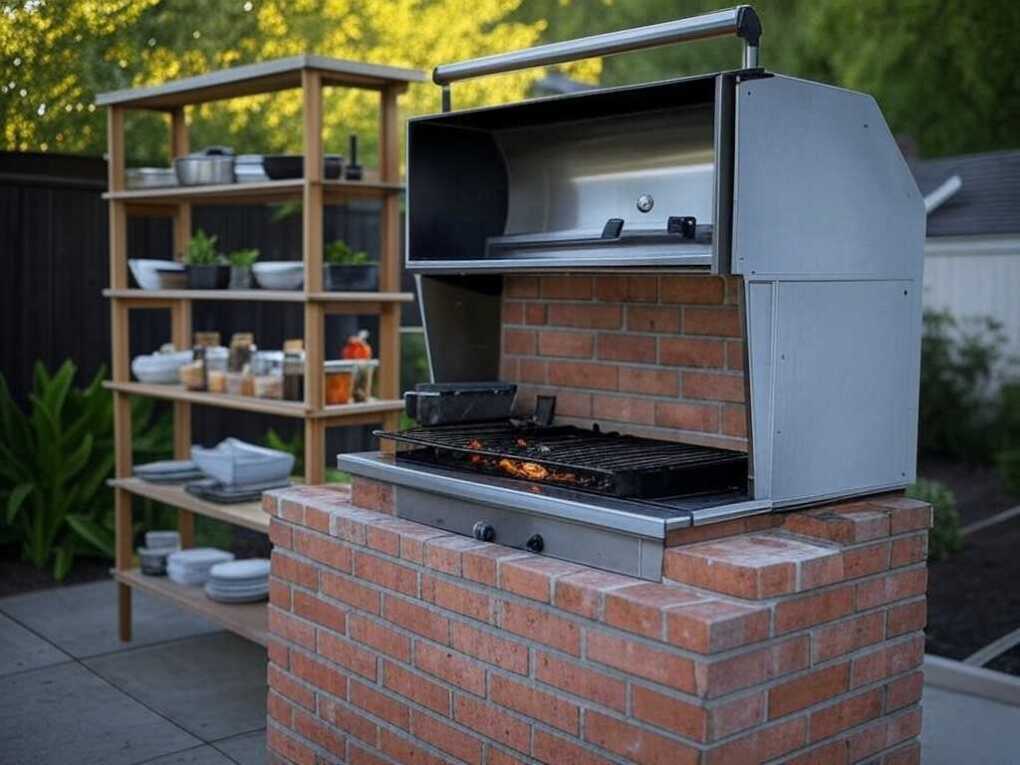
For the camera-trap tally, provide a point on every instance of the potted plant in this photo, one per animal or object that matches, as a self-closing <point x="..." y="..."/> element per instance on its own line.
<point x="207" y="269"/>
<point x="348" y="270"/>
<point x="241" y="262"/>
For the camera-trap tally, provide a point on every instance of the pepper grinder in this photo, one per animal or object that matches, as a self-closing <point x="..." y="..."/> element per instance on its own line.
<point x="353" y="171"/>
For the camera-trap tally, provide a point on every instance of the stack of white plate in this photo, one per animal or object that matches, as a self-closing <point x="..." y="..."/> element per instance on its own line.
<point x="159" y="546"/>
<point x="192" y="566"/>
<point x="168" y="471"/>
<point x="239" y="581"/>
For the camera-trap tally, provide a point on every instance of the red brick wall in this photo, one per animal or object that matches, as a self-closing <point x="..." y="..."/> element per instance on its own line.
<point x="394" y="642"/>
<point x="661" y="355"/>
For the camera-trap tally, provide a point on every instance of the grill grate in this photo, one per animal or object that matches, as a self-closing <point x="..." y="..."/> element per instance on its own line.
<point x="609" y="463"/>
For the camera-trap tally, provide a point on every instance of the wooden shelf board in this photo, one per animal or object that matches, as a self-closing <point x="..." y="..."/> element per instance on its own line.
<point x="249" y="620"/>
<point x="264" y="191"/>
<point x="252" y="404"/>
<point x="262" y="77"/>
<point x="282" y="296"/>
<point x="250" y="515"/>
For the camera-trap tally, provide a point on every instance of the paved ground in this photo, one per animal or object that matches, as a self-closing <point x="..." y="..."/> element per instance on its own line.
<point x="184" y="693"/>
<point x="959" y="728"/>
<point x="181" y="693"/>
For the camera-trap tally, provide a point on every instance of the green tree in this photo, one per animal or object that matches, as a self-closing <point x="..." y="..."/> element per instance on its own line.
<point x="56" y="55"/>
<point x="943" y="71"/>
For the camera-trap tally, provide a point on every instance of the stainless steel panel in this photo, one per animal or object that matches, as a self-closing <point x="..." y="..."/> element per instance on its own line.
<point x="821" y="189"/>
<point x="461" y="317"/>
<point x="547" y="502"/>
<point x="760" y="303"/>
<point x="578" y="543"/>
<point x="571" y="179"/>
<point x="845" y="388"/>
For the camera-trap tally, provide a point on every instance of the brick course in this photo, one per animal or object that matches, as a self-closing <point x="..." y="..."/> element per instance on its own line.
<point x="396" y="643"/>
<point x="660" y="354"/>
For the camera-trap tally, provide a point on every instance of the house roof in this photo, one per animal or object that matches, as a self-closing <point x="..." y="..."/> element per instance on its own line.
<point x="987" y="204"/>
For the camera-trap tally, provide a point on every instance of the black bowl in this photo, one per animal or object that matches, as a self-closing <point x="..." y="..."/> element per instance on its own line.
<point x="280" y="167"/>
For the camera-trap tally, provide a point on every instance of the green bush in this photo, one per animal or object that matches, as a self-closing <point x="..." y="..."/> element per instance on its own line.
<point x="958" y="404"/>
<point x="55" y="460"/>
<point x="202" y="250"/>
<point x="945" y="537"/>
<point x="339" y="253"/>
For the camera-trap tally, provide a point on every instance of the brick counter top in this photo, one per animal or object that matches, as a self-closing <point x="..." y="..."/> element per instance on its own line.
<point x="794" y="639"/>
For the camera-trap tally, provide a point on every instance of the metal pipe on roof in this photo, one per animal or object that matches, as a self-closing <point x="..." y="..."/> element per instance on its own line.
<point x="942" y="194"/>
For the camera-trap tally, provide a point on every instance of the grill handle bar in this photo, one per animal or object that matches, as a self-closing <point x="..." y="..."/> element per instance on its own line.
<point x="741" y="21"/>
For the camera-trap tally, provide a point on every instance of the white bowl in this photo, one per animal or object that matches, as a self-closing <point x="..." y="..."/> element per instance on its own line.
<point x="235" y="463"/>
<point x="160" y="368"/>
<point x="279" y="274"/>
<point x="146" y="272"/>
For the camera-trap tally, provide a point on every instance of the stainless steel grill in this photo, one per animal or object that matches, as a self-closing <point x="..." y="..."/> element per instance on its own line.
<point x="795" y="188"/>
<point x="607" y="463"/>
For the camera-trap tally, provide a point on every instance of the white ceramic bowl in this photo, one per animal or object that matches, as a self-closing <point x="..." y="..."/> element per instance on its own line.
<point x="160" y="368"/>
<point x="236" y="463"/>
<point x="146" y="272"/>
<point x="279" y="274"/>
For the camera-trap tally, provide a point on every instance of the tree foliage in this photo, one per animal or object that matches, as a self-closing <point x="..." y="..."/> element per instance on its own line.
<point x="59" y="53"/>
<point x="942" y="70"/>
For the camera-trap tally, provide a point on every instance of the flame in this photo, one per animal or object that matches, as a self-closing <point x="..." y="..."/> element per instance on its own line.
<point x="530" y="470"/>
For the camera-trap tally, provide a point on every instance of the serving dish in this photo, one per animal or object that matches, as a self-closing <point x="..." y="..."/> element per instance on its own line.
<point x="150" y="177"/>
<point x="236" y="463"/>
<point x="152" y="274"/>
<point x="282" y="166"/>
<point x="160" y="368"/>
<point x="279" y="274"/>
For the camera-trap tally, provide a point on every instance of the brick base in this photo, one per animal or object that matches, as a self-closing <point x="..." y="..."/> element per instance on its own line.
<point x="796" y="639"/>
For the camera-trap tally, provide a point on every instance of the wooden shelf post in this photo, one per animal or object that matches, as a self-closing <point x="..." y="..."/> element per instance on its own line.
<point x="315" y="335"/>
<point x="389" y="255"/>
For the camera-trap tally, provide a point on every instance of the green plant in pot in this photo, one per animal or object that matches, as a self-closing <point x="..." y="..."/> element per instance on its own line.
<point x="241" y="262"/>
<point x="348" y="270"/>
<point x="207" y="268"/>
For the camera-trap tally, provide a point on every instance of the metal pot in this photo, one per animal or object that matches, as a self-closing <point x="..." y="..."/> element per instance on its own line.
<point x="211" y="166"/>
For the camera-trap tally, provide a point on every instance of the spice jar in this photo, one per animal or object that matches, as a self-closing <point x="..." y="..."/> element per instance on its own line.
<point x="267" y="371"/>
<point x="293" y="370"/>
<point x="340" y="381"/>
<point x="216" y="369"/>
<point x="242" y="346"/>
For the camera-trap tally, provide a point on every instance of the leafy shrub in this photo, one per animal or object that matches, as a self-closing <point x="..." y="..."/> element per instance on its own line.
<point x="945" y="537"/>
<point x="55" y="460"/>
<point x="243" y="258"/>
<point x="958" y="407"/>
<point x="202" y="250"/>
<point x="339" y="253"/>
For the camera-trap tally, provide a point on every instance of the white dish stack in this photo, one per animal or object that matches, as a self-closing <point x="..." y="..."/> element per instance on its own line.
<point x="239" y="581"/>
<point x="192" y="566"/>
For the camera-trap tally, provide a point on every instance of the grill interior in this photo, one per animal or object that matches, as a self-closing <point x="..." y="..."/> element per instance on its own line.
<point x="607" y="463"/>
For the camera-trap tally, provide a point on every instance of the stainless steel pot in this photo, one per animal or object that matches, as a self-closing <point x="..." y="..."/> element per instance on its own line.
<point x="212" y="166"/>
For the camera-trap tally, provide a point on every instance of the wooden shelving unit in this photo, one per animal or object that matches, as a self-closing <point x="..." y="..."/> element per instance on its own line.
<point x="311" y="74"/>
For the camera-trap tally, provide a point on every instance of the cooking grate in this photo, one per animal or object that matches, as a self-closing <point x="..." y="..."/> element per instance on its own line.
<point x="608" y="463"/>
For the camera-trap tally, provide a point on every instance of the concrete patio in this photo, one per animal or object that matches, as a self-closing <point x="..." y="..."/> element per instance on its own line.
<point x="182" y="693"/>
<point x="185" y="693"/>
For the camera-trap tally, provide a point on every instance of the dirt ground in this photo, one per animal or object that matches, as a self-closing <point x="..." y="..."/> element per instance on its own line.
<point x="974" y="596"/>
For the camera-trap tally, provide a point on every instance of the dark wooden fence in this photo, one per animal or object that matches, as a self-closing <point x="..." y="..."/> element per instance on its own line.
<point x="54" y="250"/>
